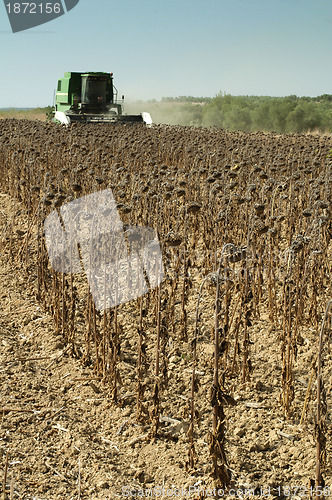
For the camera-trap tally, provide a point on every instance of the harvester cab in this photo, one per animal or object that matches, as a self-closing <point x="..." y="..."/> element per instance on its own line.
<point x="91" y="97"/>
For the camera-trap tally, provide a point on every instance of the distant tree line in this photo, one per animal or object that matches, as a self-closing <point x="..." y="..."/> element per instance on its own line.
<point x="253" y="113"/>
<point x="248" y="113"/>
<point x="187" y="98"/>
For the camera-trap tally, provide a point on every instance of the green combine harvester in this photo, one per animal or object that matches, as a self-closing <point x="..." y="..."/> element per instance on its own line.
<point x="91" y="98"/>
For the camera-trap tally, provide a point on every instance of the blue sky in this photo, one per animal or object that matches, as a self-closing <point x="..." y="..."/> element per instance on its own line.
<point x="158" y="48"/>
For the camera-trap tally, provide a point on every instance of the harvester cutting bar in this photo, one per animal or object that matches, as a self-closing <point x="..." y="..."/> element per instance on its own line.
<point x="66" y="119"/>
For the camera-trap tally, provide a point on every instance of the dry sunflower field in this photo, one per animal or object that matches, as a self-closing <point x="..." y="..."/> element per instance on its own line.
<point x="217" y="383"/>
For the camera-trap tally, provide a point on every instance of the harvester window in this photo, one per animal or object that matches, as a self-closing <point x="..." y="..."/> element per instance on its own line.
<point x="59" y="85"/>
<point x="93" y="91"/>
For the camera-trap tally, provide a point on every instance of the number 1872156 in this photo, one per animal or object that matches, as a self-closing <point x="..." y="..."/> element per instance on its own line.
<point x="33" y="8"/>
